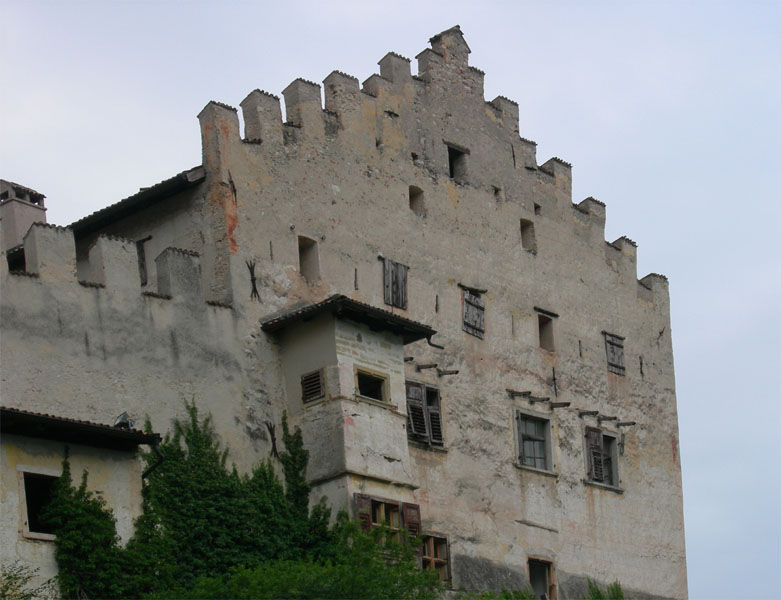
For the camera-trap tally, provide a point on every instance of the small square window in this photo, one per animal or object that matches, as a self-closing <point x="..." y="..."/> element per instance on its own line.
<point x="614" y="348"/>
<point x="371" y="386"/>
<point x="38" y="489"/>
<point x="474" y="313"/>
<point x="534" y="447"/>
<point x="394" y="281"/>
<point x="602" y="457"/>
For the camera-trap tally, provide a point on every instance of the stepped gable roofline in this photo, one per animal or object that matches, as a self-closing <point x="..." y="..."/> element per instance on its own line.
<point x="454" y="29"/>
<point x="143" y="199"/>
<point x="72" y="431"/>
<point x="342" y="307"/>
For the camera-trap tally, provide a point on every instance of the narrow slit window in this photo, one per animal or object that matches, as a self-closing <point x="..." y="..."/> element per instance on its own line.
<point x="308" y="260"/>
<point x="457" y="163"/>
<point x="528" y="239"/>
<point x="545" y="324"/>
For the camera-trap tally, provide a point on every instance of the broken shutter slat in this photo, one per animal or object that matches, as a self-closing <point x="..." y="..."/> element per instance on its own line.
<point x="416" y="415"/>
<point x="411" y="515"/>
<point x="594" y="453"/>
<point x="434" y="416"/>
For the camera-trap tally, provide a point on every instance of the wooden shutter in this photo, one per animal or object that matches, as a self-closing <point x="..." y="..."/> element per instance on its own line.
<point x="594" y="450"/>
<point x="411" y="515"/>
<point x="434" y="416"/>
<point x="416" y="411"/>
<point x="399" y="285"/>
<point x="312" y="386"/>
<point x="387" y="280"/>
<point x="363" y="511"/>
<point x="614" y="348"/>
<point x="474" y="311"/>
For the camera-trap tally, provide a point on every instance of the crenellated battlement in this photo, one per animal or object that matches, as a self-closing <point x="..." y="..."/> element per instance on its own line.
<point x="50" y="259"/>
<point x="394" y="115"/>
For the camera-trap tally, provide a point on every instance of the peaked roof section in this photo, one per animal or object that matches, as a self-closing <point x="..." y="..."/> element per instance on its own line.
<point x="72" y="431"/>
<point x="143" y="199"/>
<point x="342" y="307"/>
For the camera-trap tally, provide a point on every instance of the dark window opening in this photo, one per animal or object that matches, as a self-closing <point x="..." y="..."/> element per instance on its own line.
<point x="371" y="386"/>
<point x="541" y="579"/>
<point x="435" y="556"/>
<point x="38" y="492"/>
<point x="474" y="314"/>
<point x="528" y="239"/>
<point x="537" y="209"/>
<point x="457" y="163"/>
<point x="545" y="324"/>
<point x="141" y="252"/>
<point x="308" y="260"/>
<point x="4" y="195"/>
<point x="533" y="436"/>
<point x="497" y="193"/>
<point x="16" y="260"/>
<point x="312" y="386"/>
<point x="394" y="516"/>
<point x="416" y="201"/>
<point x="424" y="414"/>
<point x="394" y="281"/>
<point x="614" y="348"/>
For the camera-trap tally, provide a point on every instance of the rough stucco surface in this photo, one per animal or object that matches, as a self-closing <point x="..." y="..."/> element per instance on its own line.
<point x="341" y="177"/>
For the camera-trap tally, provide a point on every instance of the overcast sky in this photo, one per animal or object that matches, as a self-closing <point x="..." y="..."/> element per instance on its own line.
<point x="669" y="112"/>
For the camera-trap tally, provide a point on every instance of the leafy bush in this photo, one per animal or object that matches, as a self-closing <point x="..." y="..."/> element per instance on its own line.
<point x="206" y="529"/>
<point x="612" y="592"/>
<point x="16" y="584"/>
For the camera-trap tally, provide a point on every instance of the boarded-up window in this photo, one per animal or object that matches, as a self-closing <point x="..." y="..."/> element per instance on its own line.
<point x="474" y="313"/>
<point x="312" y="386"/>
<point x="394" y="280"/>
<point x="435" y="556"/>
<point x="533" y="441"/>
<point x="424" y="414"/>
<point x="614" y="348"/>
<point x="601" y="454"/>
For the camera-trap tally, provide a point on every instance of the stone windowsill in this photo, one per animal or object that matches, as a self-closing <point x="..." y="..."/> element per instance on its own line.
<point x="538" y="471"/>
<point x="43" y="537"/>
<point x="425" y="446"/>
<point x="603" y="486"/>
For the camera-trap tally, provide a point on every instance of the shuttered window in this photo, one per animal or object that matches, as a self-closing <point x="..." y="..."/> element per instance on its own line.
<point x="395" y="516"/>
<point x="312" y="386"/>
<point x="435" y="556"/>
<point x="614" y="348"/>
<point x="474" y="314"/>
<point x="394" y="279"/>
<point x="601" y="455"/>
<point x="424" y="414"/>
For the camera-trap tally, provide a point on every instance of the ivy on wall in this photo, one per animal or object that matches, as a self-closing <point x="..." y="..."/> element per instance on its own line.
<point x="206" y="531"/>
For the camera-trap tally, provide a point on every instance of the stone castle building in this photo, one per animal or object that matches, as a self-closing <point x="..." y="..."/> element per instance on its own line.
<point x="466" y="355"/>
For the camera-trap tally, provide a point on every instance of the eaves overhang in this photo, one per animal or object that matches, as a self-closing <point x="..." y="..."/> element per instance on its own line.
<point x="143" y="199"/>
<point x="72" y="431"/>
<point x="342" y="307"/>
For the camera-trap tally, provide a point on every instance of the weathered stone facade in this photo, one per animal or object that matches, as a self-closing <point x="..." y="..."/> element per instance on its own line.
<point x="415" y="196"/>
